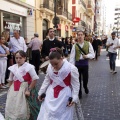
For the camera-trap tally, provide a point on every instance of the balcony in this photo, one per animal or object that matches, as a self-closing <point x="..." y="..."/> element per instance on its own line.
<point x="47" y="5"/>
<point x="91" y="7"/>
<point x="83" y="3"/>
<point x="62" y="13"/>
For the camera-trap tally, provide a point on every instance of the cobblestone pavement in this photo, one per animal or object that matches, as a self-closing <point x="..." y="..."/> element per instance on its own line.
<point x="103" y="101"/>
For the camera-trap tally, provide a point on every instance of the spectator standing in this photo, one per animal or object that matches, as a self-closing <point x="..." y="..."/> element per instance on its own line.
<point x="6" y="35"/>
<point x="35" y="44"/>
<point x="95" y="45"/>
<point x="4" y="51"/>
<point x="17" y="43"/>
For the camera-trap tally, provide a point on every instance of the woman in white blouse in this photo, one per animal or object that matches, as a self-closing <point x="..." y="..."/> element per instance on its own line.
<point x="22" y="95"/>
<point x="4" y="51"/>
<point x="59" y="91"/>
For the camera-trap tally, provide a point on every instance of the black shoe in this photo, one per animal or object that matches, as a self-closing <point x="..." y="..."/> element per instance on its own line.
<point x="86" y="90"/>
<point x="80" y="95"/>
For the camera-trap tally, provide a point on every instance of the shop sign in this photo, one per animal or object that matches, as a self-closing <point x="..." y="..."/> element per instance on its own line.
<point x="30" y="12"/>
<point x="12" y="8"/>
<point x="66" y="28"/>
<point x="12" y="26"/>
<point x="76" y="19"/>
<point x="30" y="2"/>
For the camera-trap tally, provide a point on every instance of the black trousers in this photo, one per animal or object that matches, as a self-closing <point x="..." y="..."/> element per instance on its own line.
<point x="96" y="53"/>
<point x="83" y="72"/>
<point x="36" y="59"/>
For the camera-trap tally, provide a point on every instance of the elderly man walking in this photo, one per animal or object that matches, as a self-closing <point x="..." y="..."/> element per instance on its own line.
<point x="17" y="43"/>
<point x="35" y="44"/>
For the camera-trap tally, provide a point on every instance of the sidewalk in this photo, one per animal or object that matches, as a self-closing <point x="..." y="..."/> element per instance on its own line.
<point x="103" y="101"/>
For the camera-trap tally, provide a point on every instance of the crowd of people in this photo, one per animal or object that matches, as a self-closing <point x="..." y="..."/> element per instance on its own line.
<point x="61" y="91"/>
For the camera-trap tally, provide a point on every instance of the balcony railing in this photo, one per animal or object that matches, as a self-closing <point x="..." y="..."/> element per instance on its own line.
<point x="83" y="3"/>
<point x="49" y="6"/>
<point x="69" y="16"/>
<point x="61" y="12"/>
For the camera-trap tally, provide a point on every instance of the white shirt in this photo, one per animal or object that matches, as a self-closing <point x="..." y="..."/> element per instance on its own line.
<point x="51" y="39"/>
<point x="17" y="44"/>
<point x="115" y="44"/>
<point x="17" y="73"/>
<point x="90" y="55"/>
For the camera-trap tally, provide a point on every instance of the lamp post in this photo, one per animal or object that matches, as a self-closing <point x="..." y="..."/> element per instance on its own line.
<point x="56" y="19"/>
<point x="55" y="25"/>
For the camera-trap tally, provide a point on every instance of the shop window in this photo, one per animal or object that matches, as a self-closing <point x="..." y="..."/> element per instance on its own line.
<point x="12" y="22"/>
<point x="66" y="34"/>
<point x="45" y="28"/>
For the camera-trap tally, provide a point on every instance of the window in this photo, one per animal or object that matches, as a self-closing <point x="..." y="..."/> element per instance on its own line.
<point x="13" y="22"/>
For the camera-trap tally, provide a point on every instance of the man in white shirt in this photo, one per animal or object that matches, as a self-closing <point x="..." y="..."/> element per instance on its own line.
<point x="80" y="53"/>
<point x="112" y="44"/>
<point x="17" y="43"/>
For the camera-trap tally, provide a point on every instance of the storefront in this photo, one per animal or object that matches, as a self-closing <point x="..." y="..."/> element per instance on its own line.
<point x="13" y="22"/>
<point x="16" y="17"/>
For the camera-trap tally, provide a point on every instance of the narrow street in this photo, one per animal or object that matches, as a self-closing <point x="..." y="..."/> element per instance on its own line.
<point x="103" y="102"/>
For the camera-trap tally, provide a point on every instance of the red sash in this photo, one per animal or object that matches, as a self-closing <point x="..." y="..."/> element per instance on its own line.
<point x="58" y="88"/>
<point x="17" y="83"/>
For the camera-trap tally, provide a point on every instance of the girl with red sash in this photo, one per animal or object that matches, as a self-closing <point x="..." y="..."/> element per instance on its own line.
<point x="22" y="102"/>
<point x="59" y="91"/>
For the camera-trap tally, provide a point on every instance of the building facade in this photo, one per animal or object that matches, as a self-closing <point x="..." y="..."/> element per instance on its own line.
<point x="85" y="10"/>
<point x="116" y="27"/>
<point x="45" y="14"/>
<point x="98" y="18"/>
<point x="17" y="15"/>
